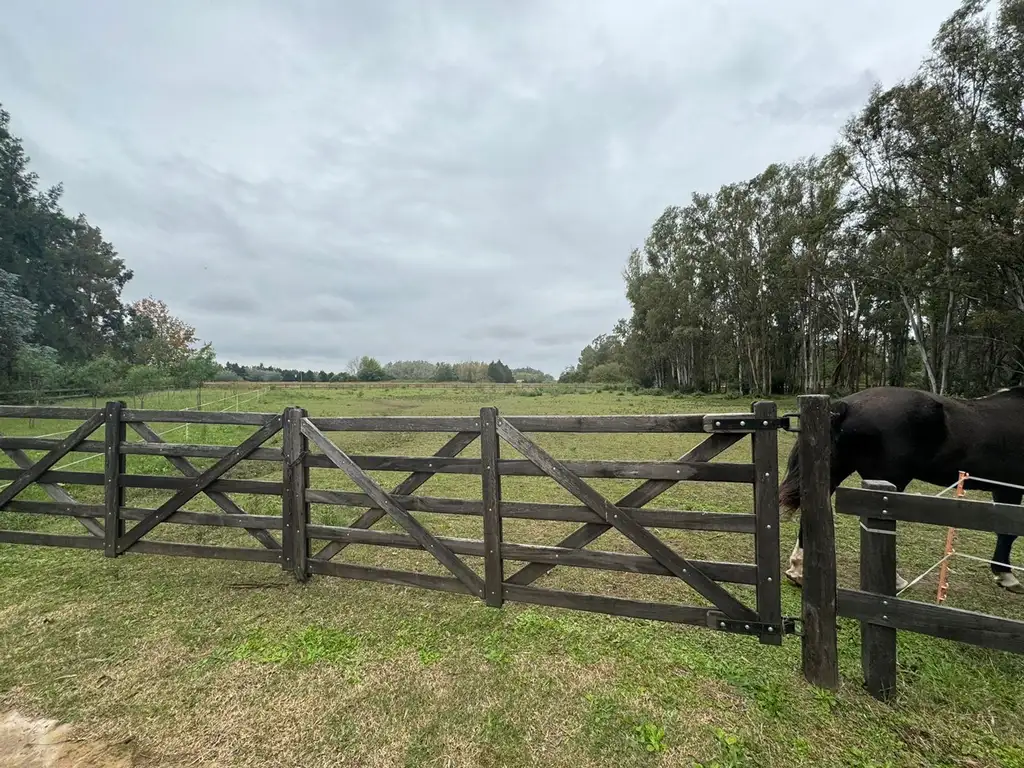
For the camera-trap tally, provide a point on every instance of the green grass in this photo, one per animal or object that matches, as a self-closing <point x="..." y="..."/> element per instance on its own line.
<point x="199" y="667"/>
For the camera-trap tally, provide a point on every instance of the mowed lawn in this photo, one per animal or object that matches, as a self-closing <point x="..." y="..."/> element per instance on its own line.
<point x="177" y="662"/>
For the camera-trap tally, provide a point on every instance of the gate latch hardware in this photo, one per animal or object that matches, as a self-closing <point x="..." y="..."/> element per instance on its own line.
<point x="723" y="623"/>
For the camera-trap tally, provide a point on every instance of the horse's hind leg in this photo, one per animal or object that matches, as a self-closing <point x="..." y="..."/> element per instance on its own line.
<point x="1001" y="571"/>
<point x="795" y="572"/>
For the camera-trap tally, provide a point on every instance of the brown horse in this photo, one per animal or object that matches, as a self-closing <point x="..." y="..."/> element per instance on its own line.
<point x="899" y="435"/>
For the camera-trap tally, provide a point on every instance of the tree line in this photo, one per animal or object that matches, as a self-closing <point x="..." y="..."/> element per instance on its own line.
<point x="369" y="368"/>
<point x="63" y="324"/>
<point x="896" y="258"/>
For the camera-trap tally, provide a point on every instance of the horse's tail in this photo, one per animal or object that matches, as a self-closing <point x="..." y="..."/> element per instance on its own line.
<point x="789" y="488"/>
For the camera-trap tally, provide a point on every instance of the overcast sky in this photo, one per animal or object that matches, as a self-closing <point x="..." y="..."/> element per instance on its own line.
<point x="309" y="181"/>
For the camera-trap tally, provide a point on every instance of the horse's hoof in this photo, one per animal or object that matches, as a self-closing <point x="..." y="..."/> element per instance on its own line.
<point x="794" y="581"/>
<point x="901" y="583"/>
<point x="1016" y="588"/>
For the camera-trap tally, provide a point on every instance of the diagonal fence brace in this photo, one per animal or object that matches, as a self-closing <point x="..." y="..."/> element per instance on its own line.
<point x="204" y="480"/>
<point x="427" y="540"/>
<point x="456" y="445"/>
<point x="63" y="448"/>
<point x="638" y="497"/>
<point x="625" y="524"/>
<point x="222" y="500"/>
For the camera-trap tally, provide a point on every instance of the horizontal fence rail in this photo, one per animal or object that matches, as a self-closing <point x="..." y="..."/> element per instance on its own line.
<point x="875" y="605"/>
<point x="293" y="444"/>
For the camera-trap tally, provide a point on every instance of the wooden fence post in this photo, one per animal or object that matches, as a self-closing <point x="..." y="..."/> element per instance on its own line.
<point x="820" y="652"/>
<point x="878" y="575"/>
<point x="765" y="457"/>
<point x="115" y="465"/>
<point x="294" y="507"/>
<point x="490" y="454"/>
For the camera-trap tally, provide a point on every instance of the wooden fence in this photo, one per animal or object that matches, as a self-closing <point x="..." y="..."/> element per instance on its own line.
<point x="305" y="444"/>
<point x="292" y="444"/>
<point x="875" y="605"/>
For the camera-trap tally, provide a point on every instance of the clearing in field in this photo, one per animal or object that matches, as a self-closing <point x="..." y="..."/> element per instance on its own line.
<point x="168" y="661"/>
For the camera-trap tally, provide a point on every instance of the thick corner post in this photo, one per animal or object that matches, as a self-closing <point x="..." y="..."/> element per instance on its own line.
<point x="878" y="575"/>
<point x="294" y="507"/>
<point x="820" y="653"/>
<point x="114" y="467"/>
<point x="765" y="457"/>
<point x="490" y="475"/>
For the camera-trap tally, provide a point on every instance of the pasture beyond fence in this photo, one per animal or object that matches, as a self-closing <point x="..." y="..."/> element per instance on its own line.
<point x="299" y="443"/>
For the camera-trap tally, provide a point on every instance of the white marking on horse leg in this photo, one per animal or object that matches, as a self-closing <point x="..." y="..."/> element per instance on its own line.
<point x="795" y="572"/>
<point x="1009" y="582"/>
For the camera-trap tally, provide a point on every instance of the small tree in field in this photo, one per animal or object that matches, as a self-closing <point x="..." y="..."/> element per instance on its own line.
<point x="370" y="369"/>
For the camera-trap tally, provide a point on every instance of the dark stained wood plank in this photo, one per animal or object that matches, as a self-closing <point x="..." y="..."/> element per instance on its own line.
<point x="726" y="522"/>
<point x="819" y="646"/>
<point x="878" y="575"/>
<point x="225" y="503"/>
<point x="650" y="490"/>
<point x="55" y="476"/>
<point x="48" y="444"/>
<point x="294" y="507"/>
<point x="765" y="457"/>
<point x="719" y="472"/>
<point x="962" y="626"/>
<point x="614" y="606"/>
<point x="644" y="424"/>
<point x="161" y="448"/>
<point x="200" y="417"/>
<point x="47" y="412"/>
<point x="168" y="483"/>
<point x="490" y="480"/>
<point x="396" y="423"/>
<point x="737" y="573"/>
<point x="577" y="424"/>
<point x="154" y="447"/>
<point x="679" y="614"/>
<point x="114" y="465"/>
<point x="626" y="524"/>
<point x="205" y="551"/>
<point x="34" y="473"/>
<point x="50" y="540"/>
<point x="389" y="576"/>
<point x="55" y="492"/>
<point x="944" y="511"/>
<point x="452" y="447"/>
<point x="199" y="484"/>
<point x="429" y="542"/>
<point x="182" y="517"/>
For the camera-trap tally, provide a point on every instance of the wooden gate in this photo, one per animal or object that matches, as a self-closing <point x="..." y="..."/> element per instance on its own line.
<point x="599" y="515"/>
<point x="306" y="445"/>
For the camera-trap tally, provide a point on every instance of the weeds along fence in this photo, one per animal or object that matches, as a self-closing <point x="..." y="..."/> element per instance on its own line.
<point x="250" y="497"/>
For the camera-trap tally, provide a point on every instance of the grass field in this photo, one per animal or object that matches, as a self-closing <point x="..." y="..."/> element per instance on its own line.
<point x="180" y="662"/>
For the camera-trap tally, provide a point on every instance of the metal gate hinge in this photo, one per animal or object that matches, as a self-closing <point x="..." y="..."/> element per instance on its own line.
<point x="723" y="623"/>
<point x="744" y="422"/>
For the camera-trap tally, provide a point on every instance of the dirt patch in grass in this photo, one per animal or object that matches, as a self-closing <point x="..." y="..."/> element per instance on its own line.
<point x="38" y="743"/>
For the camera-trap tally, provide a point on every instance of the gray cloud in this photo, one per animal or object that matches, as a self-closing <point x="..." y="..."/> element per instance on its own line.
<point x="307" y="181"/>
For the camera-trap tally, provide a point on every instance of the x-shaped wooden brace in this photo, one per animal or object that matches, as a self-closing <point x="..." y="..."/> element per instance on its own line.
<point x="35" y="470"/>
<point x="456" y="445"/>
<point x="222" y="500"/>
<point x="199" y="484"/>
<point x="621" y="520"/>
<point x="638" y="497"/>
<point x="384" y="500"/>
